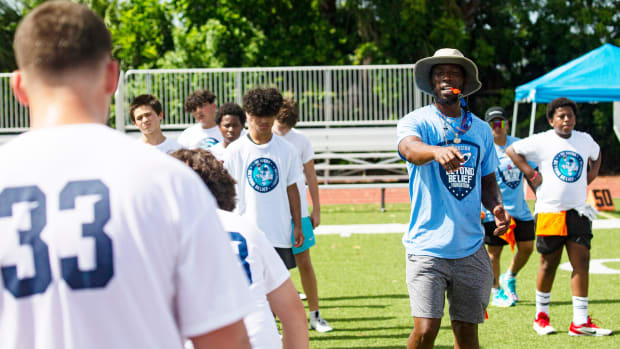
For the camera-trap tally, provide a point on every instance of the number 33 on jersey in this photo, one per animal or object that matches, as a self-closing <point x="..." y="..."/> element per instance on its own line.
<point x="27" y="262"/>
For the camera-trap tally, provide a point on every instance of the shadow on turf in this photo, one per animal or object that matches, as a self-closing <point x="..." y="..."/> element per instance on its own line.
<point x="357" y="329"/>
<point x="376" y="328"/>
<point x="352" y="306"/>
<point x="362" y="337"/>
<point x="392" y="347"/>
<point x="374" y="318"/>
<point x="595" y="301"/>
<point x="391" y="296"/>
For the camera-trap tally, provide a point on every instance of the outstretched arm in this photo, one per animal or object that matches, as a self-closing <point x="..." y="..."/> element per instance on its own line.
<point x="285" y="303"/>
<point x="420" y="153"/>
<point x="492" y="201"/>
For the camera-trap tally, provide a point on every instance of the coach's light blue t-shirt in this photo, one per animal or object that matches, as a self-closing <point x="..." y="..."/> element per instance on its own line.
<point x="445" y="208"/>
<point x="510" y="181"/>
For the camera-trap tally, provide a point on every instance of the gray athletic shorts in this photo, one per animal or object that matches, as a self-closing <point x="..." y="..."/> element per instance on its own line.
<point x="467" y="282"/>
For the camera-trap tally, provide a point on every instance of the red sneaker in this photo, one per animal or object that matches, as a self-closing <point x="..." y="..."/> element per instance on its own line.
<point x="587" y="329"/>
<point x="542" y="325"/>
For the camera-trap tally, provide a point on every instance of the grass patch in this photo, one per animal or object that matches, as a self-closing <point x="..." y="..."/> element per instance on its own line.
<point x="394" y="213"/>
<point x="364" y="297"/>
<point x="364" y="214"/>
<point x="612" y="214"/>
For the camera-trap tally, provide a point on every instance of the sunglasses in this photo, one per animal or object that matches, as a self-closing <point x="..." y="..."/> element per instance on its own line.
<point x="497" y="123"/>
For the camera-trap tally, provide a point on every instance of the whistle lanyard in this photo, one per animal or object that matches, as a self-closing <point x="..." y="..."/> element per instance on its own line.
<point x="464" y="124"/>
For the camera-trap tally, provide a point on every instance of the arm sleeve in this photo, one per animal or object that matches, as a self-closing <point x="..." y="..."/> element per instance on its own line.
<point x="595" y="149"/>
<point x="307" y="153"/>
<point x="527" y="148"/>
<point x="294" y="171"/>
<point x="407" y="126"/>
<point x="211" y="289"/>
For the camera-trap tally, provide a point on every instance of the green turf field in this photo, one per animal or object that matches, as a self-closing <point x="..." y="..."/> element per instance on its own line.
<point x="394" y="213"/>
<point x="364" y="296"/>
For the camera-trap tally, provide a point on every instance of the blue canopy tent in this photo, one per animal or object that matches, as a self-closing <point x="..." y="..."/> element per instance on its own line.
<point x="593" y="77"/>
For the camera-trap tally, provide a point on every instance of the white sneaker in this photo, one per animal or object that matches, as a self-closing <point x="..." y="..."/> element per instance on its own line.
<point x="587" y="329"/>
<point x="542" y="325"/>
<point x="302" y="296"/>
<point x="509" y="284"/>
<point x="501" y="299"/>
<point x="319" y="324"/>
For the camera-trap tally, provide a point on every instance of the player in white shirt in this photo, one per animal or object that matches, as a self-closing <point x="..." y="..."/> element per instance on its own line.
<point x="205" y="134"/>
<point x="266" y="168"/>
<point x="146" y="113"/>
<point x="104" y="244"/>
<point x="230" y="118"/>
<point x="271" y="286"/>
<point x="568" y="161"/>
<point x="284" y="127"/>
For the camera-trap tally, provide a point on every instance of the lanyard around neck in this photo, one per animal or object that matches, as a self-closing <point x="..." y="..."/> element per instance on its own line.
<point x="465" y="119"/>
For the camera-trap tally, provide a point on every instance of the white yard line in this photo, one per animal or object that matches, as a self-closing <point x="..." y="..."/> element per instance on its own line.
<point x="606" y="215"/>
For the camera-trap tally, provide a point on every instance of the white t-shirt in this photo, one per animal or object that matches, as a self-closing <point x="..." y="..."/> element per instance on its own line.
<point x="266" y="272"/>
<point x="263" y="172"/>
<point x="123" y="247"/>
<point x="195" y="137"/>
<point x="304" y="149"/>
<point x="168" y="146"/>
<point x="563" y="163"/>
<point x="218" y="151"/>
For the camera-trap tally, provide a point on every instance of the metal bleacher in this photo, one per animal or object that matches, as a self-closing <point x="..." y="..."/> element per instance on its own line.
<point x="356" y="155"/>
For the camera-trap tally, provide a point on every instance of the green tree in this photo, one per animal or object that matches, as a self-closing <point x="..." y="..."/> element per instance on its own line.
<point x="404" y="31"/>
<point x="269" y="33"/>
<point x="9" y="17"/>
<point x="141" y="31"/>
<point x="225" y="40"/>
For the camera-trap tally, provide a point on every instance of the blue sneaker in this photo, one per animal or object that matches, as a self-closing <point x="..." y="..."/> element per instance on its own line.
<point x="501" y="299"/>
<point x="509" y="284"/>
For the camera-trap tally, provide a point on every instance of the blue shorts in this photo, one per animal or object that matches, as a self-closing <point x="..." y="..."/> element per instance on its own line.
<point x="308" y="231"/>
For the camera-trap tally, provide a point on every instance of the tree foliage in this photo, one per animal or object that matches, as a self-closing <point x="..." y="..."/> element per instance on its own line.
<point x="9" y="17"/>
<point x="512" y="41"/>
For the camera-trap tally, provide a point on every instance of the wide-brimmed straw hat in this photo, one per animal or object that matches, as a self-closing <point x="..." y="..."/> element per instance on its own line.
<point x="447" y="56"/>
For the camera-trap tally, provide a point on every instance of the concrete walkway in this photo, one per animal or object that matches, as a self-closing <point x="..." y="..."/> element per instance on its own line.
<point x="347" y="230"/>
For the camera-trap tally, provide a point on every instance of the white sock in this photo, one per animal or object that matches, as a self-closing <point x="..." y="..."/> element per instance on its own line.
<point x="510" y="273"/>
<point x="314" y="314"/>
<point x="542" y="302"/>
<point x="580" y="310"/>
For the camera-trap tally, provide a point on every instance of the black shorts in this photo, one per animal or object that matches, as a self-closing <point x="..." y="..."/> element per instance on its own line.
<point x="286" y="254"/>
<point x="578" y="229"/>
<point x="524" y="231"/>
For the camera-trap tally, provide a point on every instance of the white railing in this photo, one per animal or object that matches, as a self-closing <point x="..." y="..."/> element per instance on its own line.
<point x="327" y="96"/>
<point x="13" y="116"/>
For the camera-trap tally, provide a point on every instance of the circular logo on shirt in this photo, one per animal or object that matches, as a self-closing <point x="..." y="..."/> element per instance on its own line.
<point x="263" y="175"/>
<point x="207" y="143"/>
<point x="568" y="166"/>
